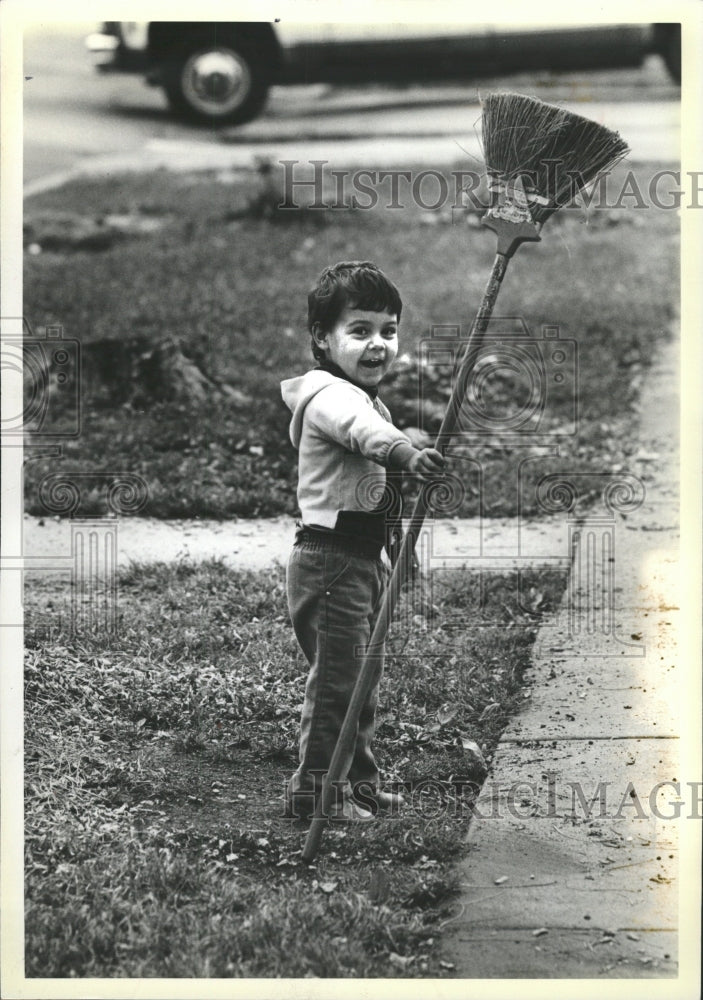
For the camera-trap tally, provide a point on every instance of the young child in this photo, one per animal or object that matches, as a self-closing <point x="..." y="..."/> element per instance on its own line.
<point x="336" y="574"/>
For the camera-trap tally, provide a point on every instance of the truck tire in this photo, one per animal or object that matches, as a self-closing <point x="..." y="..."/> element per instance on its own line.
<point x="216" y="83"/>
<point x="672" y="55"/>
<point x="668" y="44"/>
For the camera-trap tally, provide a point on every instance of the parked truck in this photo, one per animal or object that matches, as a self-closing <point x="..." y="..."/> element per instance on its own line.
<point x="221" y="72"/>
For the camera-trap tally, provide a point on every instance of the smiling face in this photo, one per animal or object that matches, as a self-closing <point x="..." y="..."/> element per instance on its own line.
<point x="363" y="343"/>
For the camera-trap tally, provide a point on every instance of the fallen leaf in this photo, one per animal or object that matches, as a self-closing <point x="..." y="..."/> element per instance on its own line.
<point x="446" y="713"/>
<point x="489" y="710"/>
<point x="328" y="887"/>
<point x="400" y="960"/>
<point x="537" y="601"/>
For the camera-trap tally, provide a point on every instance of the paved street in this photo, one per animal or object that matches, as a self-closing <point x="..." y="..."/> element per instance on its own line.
<point x="73" y="114"/>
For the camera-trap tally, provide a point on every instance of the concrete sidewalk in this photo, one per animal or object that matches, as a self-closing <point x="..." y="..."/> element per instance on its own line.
<point x="573" y="864"/>
<point x="509" y="543"/>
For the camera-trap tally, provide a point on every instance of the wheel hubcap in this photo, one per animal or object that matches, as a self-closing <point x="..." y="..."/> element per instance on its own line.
<point x="216" y="81"/>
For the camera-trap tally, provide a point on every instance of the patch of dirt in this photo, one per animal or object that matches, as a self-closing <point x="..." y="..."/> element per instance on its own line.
<point x="242" y="792"/>
<point x="62" y="232"/>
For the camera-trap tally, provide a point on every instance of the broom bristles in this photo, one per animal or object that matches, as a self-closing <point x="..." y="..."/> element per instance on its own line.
<point x="554" y="151"/>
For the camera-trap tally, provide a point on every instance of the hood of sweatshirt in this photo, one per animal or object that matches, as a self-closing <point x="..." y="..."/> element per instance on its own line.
<point x="297" y="393"/>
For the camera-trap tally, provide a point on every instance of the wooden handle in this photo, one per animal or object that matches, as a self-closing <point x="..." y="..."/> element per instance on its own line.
<point x="344" y="749"/>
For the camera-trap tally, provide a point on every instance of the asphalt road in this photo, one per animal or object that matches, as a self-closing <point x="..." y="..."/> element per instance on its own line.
<point x="72" y="113"/>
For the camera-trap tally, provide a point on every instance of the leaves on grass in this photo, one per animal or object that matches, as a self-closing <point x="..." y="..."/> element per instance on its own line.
<point x="402" y="961"/>
<point x="221" y="282"/>
<point x="447" y="713"/>
<point x="379" y="886"/>
<point x="492" y="709"/>
<point x="155" y="763"/>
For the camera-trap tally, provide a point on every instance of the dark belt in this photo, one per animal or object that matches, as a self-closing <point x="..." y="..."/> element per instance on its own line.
<point x="333" y="541"/>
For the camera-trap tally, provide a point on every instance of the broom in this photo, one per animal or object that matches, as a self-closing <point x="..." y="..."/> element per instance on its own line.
<point x="538" y="157"/>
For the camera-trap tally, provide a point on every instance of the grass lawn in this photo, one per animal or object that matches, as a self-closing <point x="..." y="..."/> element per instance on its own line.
<point x="155" y="762"/>
<point x="231" y="285"/>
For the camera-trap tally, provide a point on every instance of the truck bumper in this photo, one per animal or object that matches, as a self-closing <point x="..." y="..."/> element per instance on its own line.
<point x="103" y="50"/>
<point x="109" y="55"/>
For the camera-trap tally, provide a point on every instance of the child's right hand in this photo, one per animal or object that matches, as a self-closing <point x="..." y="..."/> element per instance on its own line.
<point x="428" y="463"/>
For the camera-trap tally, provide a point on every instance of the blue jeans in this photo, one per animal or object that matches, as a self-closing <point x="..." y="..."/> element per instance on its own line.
<point x="333" y="598"/>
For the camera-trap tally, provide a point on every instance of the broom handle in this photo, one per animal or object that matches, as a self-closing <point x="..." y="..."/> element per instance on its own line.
<point x="344" y="749"/>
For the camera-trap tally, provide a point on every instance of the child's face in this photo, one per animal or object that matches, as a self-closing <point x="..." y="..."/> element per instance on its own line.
<point x="363" y="344"/>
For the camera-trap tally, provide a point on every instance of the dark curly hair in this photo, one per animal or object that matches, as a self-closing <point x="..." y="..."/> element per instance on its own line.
<point x="353" y="284"/>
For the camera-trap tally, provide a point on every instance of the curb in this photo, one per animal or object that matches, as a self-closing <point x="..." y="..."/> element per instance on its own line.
<point x="428" y="146"/>
<point x="183" y="156"/>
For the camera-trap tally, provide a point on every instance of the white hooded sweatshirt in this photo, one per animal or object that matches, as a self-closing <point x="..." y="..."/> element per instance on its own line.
<point x="345" y="440"/>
